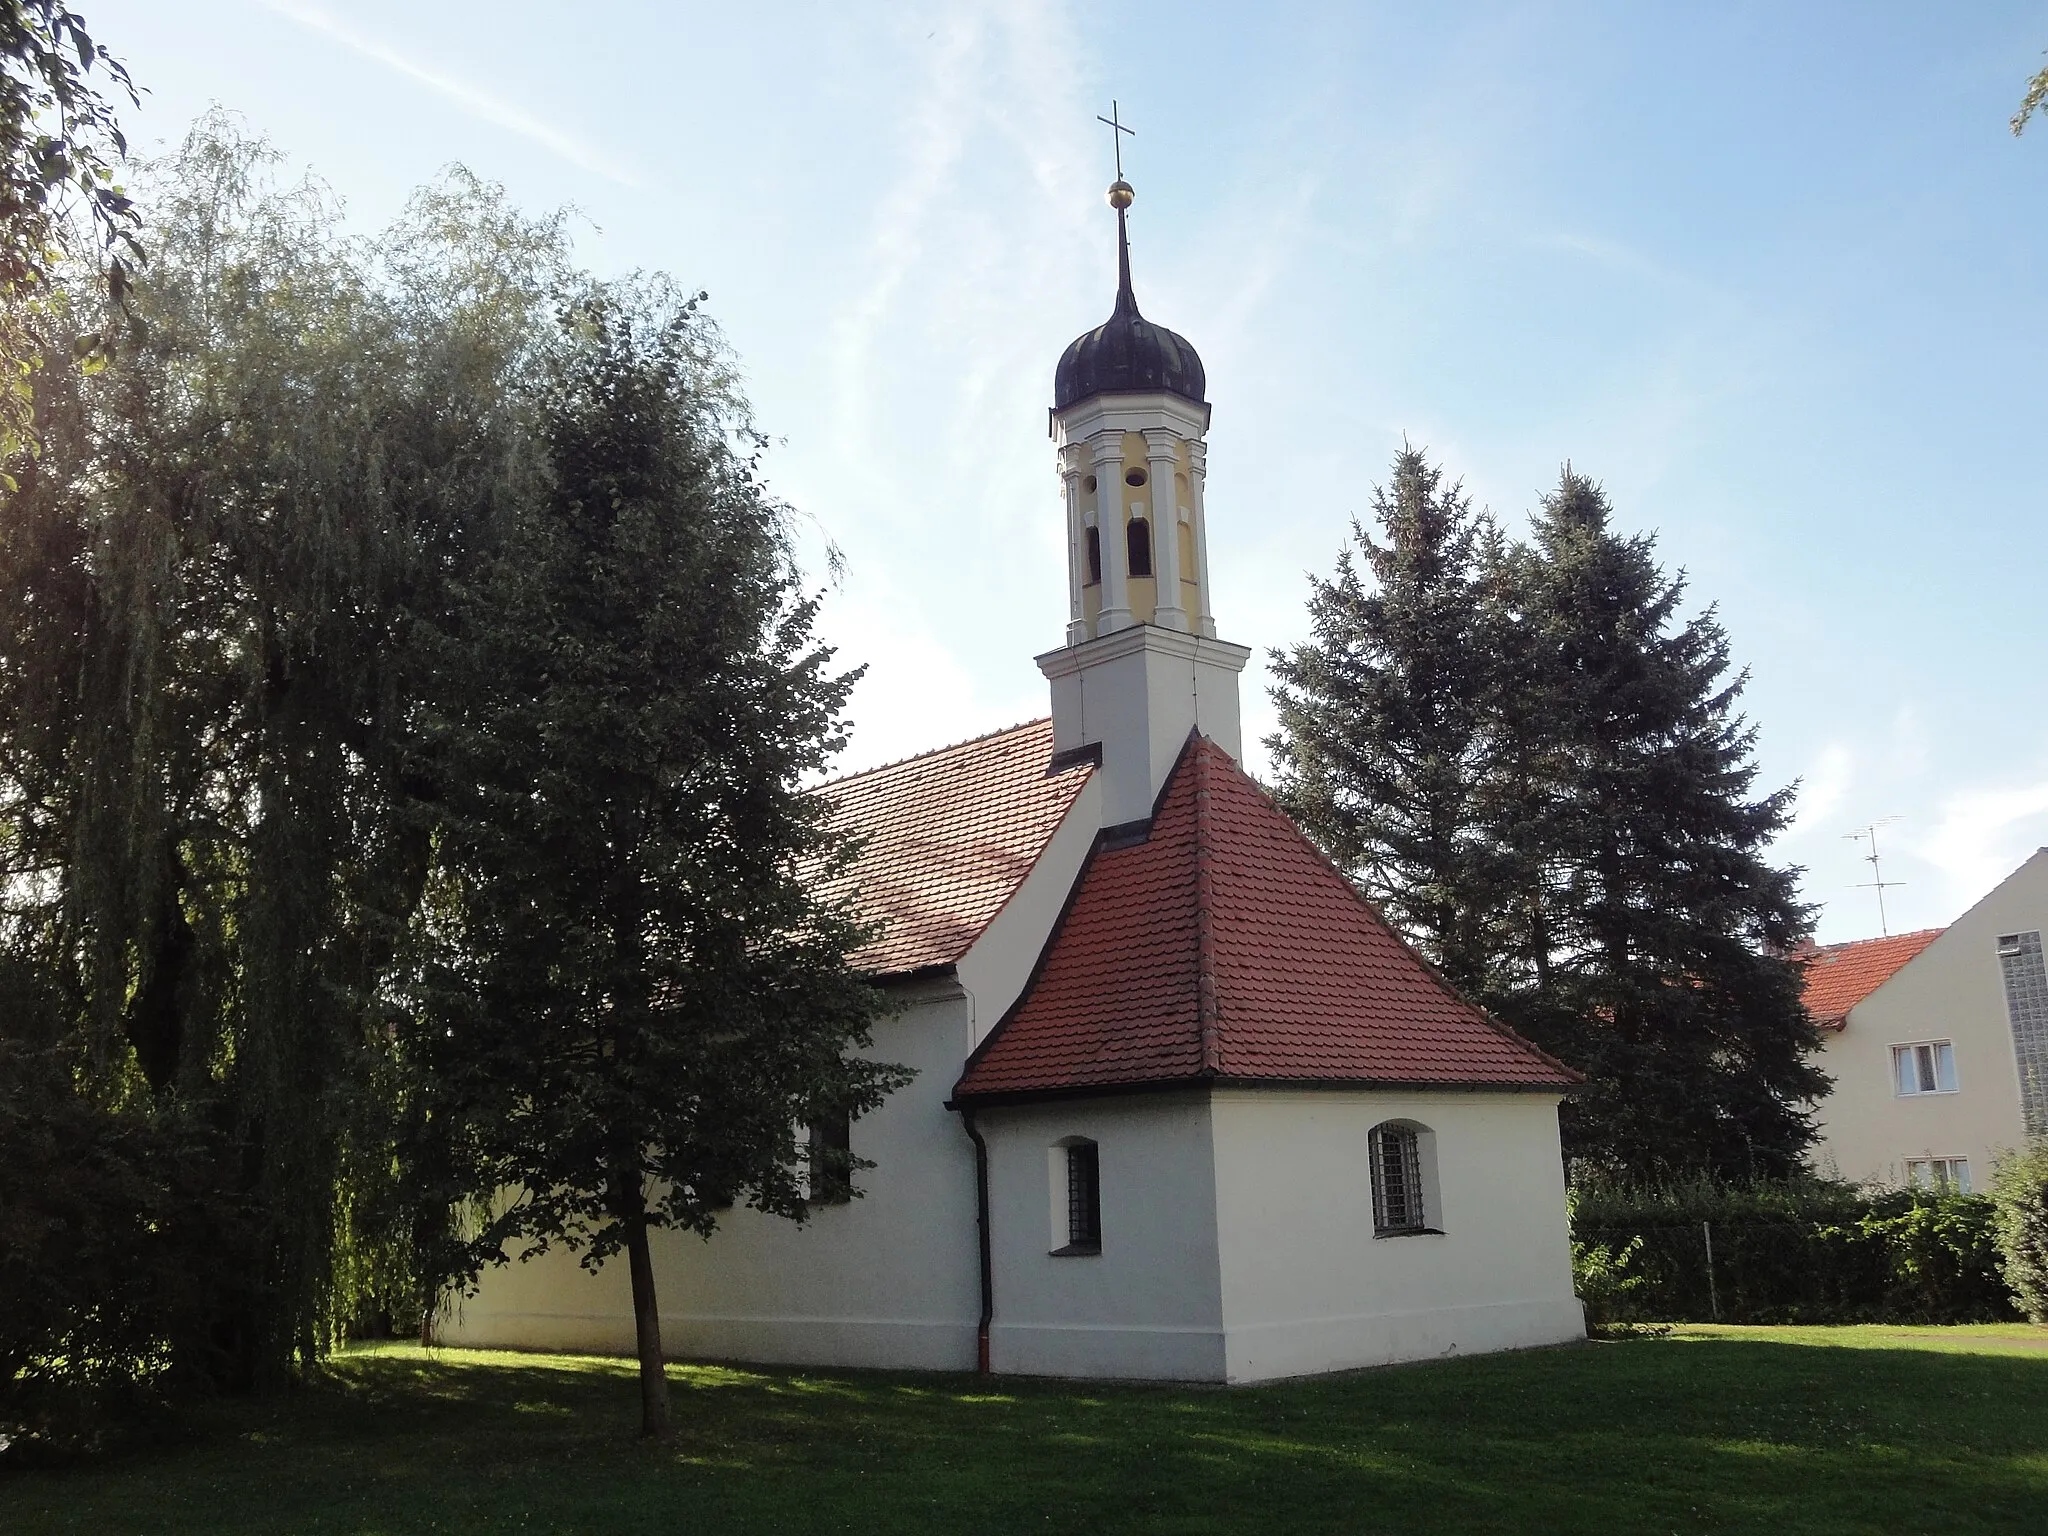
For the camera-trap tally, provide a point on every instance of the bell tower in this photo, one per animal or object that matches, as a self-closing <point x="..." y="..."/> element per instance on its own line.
<point x="1142" y="665"/>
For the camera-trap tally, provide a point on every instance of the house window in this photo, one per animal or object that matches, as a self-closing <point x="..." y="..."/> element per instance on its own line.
<point x="1083" y="1169"/>
<point x="1929" y="1067"/>
<point x="831" y="1160"/>
<point x="1094" y="557"/>
<point x="1948" y="1174"/>
<point x="1395" y="1151"/>
<point x="1138" y="540"/>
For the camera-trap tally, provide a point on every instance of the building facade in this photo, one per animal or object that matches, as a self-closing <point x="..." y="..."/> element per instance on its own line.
<point x="1937" y="1042"/>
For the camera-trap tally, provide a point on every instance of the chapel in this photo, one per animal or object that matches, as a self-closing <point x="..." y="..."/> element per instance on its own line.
<point x="1185" y="1106"/>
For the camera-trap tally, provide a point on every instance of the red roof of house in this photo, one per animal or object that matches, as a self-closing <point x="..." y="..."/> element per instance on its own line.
<point x="946" y="838"/>
<point x="1226" y="947"/>
<point x="1839" y="976"/>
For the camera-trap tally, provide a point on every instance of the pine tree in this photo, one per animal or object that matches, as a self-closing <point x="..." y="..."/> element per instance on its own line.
<point x="632" y="996"/>
<point x="1650" y="928"/>
<point x="1384" y="746"/>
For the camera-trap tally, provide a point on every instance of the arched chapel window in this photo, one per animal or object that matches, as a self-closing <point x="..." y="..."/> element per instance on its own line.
<point x="1399" y="1202"/>
<point x="1139" y="540"/>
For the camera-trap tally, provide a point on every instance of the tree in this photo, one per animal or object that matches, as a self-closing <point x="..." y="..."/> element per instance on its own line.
<point x="630" y="998"/>
<point x="1385" y="736"/>
<point x="2035" y="99"/>
<point x="1652" y="933"/>
<point x="211" y="583"/>
<point x="57" y="136"/>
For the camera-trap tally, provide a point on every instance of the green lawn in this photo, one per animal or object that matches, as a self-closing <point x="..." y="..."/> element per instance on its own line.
<point x="1721" y="1429"/>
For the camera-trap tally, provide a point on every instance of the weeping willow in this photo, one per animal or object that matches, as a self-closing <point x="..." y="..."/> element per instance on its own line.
<point x="212" y="583"/>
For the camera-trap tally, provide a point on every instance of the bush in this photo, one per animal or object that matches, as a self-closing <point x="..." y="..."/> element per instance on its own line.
<point x="1793" y="1251"/>
<point x="112" y="1219"/>
<point x="2020" y="1188"/>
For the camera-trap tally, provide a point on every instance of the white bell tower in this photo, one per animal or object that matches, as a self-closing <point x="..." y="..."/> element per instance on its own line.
<point x="1142" y="665"/>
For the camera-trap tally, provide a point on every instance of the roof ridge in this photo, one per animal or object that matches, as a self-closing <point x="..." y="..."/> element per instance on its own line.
<point x="1205" y="932"/>
<point x="917" y="757"/>
<point x="1882" y="938"/>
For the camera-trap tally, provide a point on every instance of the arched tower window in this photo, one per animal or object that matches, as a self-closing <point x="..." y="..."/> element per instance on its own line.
<point x="1138" y="540"/>
<point x="1094" y="557"/>
<point x="1398" y="1152"/>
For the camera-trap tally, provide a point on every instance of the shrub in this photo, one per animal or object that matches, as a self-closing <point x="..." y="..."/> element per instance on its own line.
<point x="1786" y="1251"/>
<point x="2020" y="1188"/>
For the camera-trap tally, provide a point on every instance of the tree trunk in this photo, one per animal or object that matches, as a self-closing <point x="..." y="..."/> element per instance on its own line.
<point x="646" y="1314"/>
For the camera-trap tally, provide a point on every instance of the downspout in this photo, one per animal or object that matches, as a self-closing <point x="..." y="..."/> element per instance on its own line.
<point x="988" y="1279"/>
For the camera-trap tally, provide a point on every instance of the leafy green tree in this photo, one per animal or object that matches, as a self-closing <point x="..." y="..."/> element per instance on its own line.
<point x="2020" y="1188"/>
<point x="1385" y="742"/>
<point x="1651" y="931"/>
<point x="58" y="138"/>
<point x="630" y="998"/>
<point x="211" y="581"/>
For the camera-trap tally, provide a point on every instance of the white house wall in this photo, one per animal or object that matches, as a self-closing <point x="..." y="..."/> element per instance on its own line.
<point x="1952" y="990"/>
<point x="889" y="1279"/>
<point x="1306" y="1286"/>
<point x="1149" y="1304"/>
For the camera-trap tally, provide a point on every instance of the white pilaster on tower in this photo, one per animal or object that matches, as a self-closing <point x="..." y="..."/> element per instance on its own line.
<point x="1073" y="465"/>
<point x="1162" y="464"/>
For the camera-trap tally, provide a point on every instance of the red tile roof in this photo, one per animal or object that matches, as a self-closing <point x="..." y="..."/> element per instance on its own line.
<point x="947" y="837"/>
<point x="1224" y="946"/>
<point x="1839" y="976"/>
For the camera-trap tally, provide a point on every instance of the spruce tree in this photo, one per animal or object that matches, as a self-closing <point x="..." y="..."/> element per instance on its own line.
<point x="632" y="997"/>
<point x="1650" y="928"/>
<point x="1384" y="746"/>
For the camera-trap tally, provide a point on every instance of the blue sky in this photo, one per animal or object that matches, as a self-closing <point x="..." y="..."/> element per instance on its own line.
<point x="1773" y="274"/>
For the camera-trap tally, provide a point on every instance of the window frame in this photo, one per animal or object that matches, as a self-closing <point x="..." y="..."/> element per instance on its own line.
<point x="1945" y="1175"/>
<point x="1940" y="1054"/>
<point x="1076" y="1189"/>
<point x="1414" y="1156"/>
<point x="829" y="1180"/>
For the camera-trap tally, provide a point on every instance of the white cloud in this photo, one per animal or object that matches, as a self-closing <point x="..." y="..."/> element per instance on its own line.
<point x="477" y="102"/>
<point x="1823" y="788"/>
<point x="1983" y="835"/>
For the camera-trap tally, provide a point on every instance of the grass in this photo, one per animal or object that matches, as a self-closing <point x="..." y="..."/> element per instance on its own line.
<point x="1779" y="1430"/>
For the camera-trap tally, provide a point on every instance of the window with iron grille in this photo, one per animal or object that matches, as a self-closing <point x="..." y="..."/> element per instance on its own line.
<point x="1084" y="1199"/>
<point x="1396" y="1155"/>
<point x="831" y="1160"/>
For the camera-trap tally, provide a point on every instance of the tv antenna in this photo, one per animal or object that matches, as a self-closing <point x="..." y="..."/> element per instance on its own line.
<point x="1877" y="881"/>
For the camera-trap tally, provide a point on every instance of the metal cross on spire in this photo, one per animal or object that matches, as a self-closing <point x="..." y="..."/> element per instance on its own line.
<point x="1116" y="135"/>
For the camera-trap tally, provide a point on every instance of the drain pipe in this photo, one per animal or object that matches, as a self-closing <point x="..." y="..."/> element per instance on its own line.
<point x="988" y="1279"/>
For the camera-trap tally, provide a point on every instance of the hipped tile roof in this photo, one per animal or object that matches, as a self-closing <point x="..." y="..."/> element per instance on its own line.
<point x="1839" y="976"/>
<point x="946" y="838"/>
<point x="1226" y="947"/>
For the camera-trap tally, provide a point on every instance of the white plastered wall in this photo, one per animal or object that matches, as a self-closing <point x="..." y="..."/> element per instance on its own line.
<point x="1306" y="1285"/>
<point x="1237" y="1235"/>
<point x="1952" y="990"/>
<point x="1149" y="1304"/>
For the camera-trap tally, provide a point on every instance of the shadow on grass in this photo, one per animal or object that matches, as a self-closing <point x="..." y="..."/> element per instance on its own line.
<point x="1667" y="1435"/>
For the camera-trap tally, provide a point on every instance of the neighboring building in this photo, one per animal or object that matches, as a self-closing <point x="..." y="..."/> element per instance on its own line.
<point x="1185" y="1107"/>
<point x="1937" y="1042"/>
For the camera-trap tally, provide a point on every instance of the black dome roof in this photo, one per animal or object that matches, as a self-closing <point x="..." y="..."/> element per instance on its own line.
<point x="1127" y="353"/>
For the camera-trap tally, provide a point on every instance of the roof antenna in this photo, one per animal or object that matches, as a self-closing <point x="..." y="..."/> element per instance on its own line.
<point x="1877" y="882"/>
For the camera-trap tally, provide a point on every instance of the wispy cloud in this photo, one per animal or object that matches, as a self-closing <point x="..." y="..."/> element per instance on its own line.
<point x="1985" y="834"/>
<point x="478" y="103"/>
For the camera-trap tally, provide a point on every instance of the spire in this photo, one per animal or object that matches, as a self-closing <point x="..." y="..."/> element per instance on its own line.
<point x="1126" y="300"/>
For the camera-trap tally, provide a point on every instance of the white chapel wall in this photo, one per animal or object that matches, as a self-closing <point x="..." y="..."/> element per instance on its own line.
<point x="1148" y="1305"/>
<point x="1952" y="990"/>
<point x="1306" y="1286"/>
<point x="889" y="1279"/>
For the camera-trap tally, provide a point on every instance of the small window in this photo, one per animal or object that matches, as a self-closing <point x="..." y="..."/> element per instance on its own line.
<point x="1084" y="1199"/>
<point x="1926" y="1068"/>
<point x="831" y="1160"/>
<point x="1397" y="1206"/>
<point x="1135" y="477"/>
<point x="1139" y="540"/>
<point x="1950" y="1175"/>
<point x="1094" y="557"/>
<point x="1088" y="484"/>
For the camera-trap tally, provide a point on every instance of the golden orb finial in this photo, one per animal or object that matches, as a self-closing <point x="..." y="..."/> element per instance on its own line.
<point x="1120" y="194"/>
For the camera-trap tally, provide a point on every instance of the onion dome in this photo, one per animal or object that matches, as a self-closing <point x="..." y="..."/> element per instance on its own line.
<point x="1127" y="354"/>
